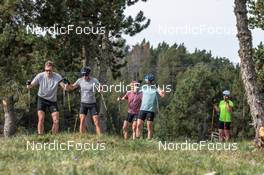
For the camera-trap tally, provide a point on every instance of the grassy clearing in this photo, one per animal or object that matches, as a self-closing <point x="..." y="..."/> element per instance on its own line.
<point x="123" y="157"/>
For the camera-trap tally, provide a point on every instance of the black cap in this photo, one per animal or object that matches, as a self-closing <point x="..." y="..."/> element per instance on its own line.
<point x="85" y="71"/>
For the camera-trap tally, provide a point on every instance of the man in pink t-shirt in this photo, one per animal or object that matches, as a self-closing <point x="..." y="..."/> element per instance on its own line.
<point x="134" y="102"/>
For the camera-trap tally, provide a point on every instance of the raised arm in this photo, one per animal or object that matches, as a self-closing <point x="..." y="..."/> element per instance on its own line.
<point x="122" y="98"/>
<point x="161" y="92"/>
<point x="229" y="106"/>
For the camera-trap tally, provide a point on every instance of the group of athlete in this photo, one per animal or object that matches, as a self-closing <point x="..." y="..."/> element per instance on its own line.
<point x="142" y="102"/>
<point x="142" y="105"/>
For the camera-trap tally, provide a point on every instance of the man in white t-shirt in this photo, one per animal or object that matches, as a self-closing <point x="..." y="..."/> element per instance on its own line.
<point x="48" y="82"/>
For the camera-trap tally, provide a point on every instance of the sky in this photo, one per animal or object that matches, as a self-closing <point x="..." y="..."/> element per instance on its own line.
<point x="201" y="24"/>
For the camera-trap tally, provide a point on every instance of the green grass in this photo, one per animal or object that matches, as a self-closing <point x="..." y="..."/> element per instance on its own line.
<point x="123" y="157"/>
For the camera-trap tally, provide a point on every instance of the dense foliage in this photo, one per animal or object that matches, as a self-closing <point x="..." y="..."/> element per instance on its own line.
<point x="197" y="79"/>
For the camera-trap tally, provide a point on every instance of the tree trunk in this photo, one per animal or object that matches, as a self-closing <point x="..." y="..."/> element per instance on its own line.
<point x="247" y="68"/>
<point x="103" y="68"/>
<point x="103" y="112"/>
<point x="84" y="56"/>
<point x="10" y="120"/>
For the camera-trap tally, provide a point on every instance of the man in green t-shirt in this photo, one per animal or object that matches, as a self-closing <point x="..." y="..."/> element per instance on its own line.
<point x="225" y="108"/>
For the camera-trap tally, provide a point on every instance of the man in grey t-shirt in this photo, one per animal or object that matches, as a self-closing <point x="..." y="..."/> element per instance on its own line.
<point x="88" y="85"/>
<point x="48" y="83"/>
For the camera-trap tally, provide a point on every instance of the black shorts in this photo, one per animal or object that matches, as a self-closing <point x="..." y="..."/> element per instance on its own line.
<point x="146" y="115"/>
<point x="91" y="107"/>
<point x="131" y="117"/>
<point x="43" y="104"/>
<point x="224" y="125"/>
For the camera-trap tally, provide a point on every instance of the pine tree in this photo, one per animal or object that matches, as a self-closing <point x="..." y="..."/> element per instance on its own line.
<point x="248" y="69"/>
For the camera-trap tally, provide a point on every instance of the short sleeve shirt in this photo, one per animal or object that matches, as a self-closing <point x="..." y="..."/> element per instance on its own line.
<point x="48" y="86"/>
<point x="225" y="115"/>
<point x="149" y="99"/>
<point x="134" y="101"/>
<point x="88" y="89"/>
